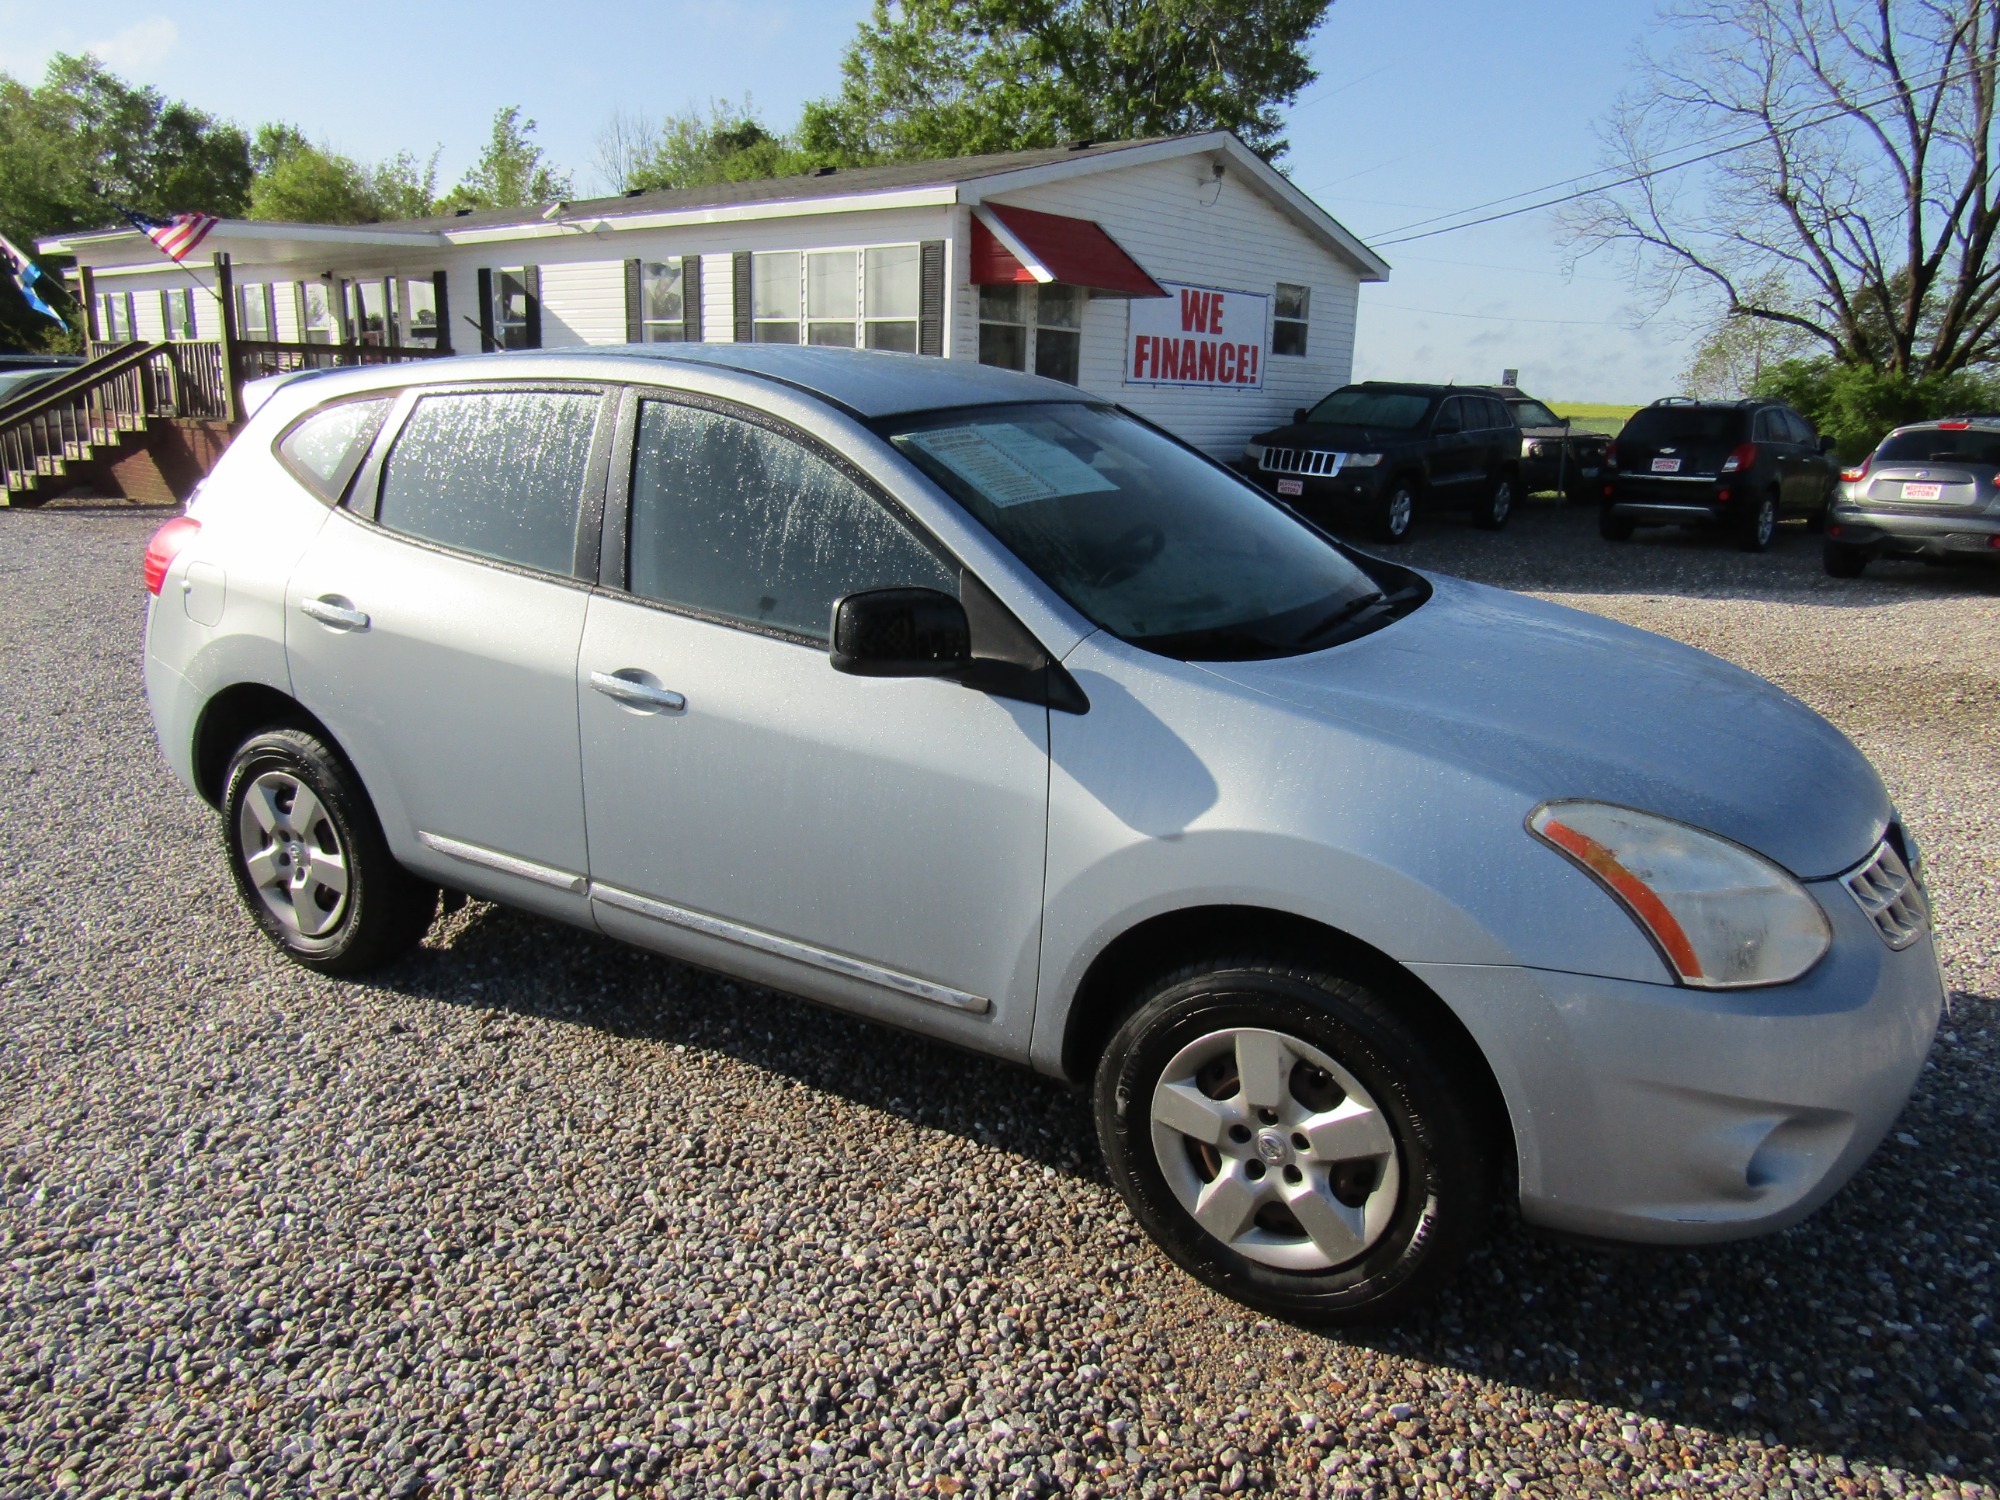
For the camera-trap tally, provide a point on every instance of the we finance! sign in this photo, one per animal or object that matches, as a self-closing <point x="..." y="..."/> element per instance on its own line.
<point x="1198" y="335"/>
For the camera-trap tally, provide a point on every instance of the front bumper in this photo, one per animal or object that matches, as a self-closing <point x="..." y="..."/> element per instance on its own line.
<point x="1350" y="487"/>
<point x="1905" y="533"/>
<point x="1662" y="1115"/>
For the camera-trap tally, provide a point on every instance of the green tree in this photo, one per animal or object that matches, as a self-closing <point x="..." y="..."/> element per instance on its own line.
<point x="728" y="144"/>
<point x="1738" y="352"/>
<point x="300" y="182"/>
<point x="1856" y="405"/>
<point x="927" y="78"/>
<point x="511" y="172"/>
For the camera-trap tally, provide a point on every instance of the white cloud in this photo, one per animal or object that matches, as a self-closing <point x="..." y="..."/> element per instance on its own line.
<point x="139" y="47"/>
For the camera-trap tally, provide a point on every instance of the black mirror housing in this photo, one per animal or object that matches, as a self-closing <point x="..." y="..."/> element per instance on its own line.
<point x="902" y="632"/>
<point x="1825" y="443"/>
<point x="1300" y="413"/>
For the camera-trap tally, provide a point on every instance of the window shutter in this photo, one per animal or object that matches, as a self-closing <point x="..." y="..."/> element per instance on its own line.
<point x="532" y="276"/>
<point x="691" y="299"/>
<point x="740" y="268"/>
<point x="635" y="327"/>
<point x="442" y="298"/>
<point x="930" y="299"/>
<point x="485" y="309"/>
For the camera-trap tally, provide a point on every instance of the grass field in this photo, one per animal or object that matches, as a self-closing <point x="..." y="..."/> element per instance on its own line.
<point x="1597" y="416"/>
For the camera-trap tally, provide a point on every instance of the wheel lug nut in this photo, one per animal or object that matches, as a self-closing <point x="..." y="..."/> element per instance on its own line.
<point x="1239" y="1133"/>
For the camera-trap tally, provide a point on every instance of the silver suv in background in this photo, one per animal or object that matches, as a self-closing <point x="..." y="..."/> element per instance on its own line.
<point x="963" y="701"/>
<point x="1929" y="490"/>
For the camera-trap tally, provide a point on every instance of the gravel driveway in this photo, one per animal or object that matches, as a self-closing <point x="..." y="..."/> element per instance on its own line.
<point x="537" y="1214"/>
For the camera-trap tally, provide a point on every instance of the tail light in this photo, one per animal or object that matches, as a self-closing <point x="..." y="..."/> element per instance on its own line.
<point x="1611" y="453"/>
<point x="1742" y="456"/>
<point x="165" y="547"/>
<point x="1859" y="472"/>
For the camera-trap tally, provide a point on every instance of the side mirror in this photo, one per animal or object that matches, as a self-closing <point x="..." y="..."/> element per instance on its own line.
<point x="1565" y="422"/>
<point x="900" y="633"/>
<point x="1825" y="443"/>
<point x="1300" y="413"/>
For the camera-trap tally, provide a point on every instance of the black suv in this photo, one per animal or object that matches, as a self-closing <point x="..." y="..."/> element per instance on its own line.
<point x="1382" y="449"/>
<point x="1554" y="455"/>
<point x="1929" y="490"/>
<point x="1742" y="465"/>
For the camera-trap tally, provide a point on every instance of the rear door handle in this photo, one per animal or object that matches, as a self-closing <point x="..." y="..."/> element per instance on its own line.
<point x="330" y="609"/>
<point x="637" y="694"/>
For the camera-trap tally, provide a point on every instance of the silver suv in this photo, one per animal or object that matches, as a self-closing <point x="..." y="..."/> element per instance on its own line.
<point x="969" y="703"/>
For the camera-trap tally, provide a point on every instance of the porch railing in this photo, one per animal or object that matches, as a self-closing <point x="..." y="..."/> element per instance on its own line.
<point x="181" y="379"/>
<point x="257" y="357"/>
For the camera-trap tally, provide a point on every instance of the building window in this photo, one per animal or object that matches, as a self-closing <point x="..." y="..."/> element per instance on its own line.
<point x="420" y="319"/>
<point x="254" y="313"/>
<point x="511" y="315"/>
<point x="891" y="289"/>
<point x="370" y="314"/>
<point x="1289" y="316"/>
<point x="1058" y="332"/>
<point x="1003" y="325"/>
<point x="317" y="323"/>
<point x="662" y="302"/>
<point x="114" y="317"/>
<point x="775" y="295"/>
<point x="847" y="299"/>
<point x="177" y="312"/>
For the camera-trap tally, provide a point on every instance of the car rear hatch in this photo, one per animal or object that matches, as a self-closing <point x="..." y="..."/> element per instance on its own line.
<point x="1665" y="447"/>
<point x="1932" y="470"/>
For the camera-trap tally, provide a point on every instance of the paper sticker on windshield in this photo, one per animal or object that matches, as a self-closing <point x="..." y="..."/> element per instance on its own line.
<point x="1010" y="465"/>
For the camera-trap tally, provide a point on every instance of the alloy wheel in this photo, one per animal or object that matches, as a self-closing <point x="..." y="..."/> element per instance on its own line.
<point x="292" y="852"/>
<point x="1275" y="1149"/>
<point x="1402" y="508"/>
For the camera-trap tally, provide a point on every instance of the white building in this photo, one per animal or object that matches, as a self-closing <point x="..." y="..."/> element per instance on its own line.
<point x="1181" y="277"/>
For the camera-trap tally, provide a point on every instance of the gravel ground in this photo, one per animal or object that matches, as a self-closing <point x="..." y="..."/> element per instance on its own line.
<point x="536" y="1214"/>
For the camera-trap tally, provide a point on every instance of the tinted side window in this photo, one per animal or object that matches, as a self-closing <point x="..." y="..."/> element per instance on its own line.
<point x="1449" y="419"/>
<point x="324" y="450"/>
<point x="1801" y="430"/>
<point x="1770" y="428"/>
<point x="737" y="521"/>
<point x="493" y="472"/>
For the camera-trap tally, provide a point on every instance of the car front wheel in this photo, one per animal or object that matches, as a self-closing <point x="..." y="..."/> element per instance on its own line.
<point x="1289" y="1138"/>
<point x="1395" y="513"/>
<point x="310" y="861"/>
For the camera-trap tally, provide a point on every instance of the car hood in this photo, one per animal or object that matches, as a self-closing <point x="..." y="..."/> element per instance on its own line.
<point x="1558" y="703"/>
<point x="1337" y="438"/>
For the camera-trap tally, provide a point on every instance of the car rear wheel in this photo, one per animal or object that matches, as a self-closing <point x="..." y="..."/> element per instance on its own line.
<point x="1395" y="513"/>
<point x="1613" y="528"/>
<point x="1287" y="1137"/>
<point x="1843" y="561"/>
<point x="310" y="861"/>
<point x="1497" y="505"/>
<point x="1760" y="526"/>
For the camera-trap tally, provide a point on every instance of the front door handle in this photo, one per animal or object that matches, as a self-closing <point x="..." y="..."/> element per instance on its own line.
<point x="331" y="609"/>
<point x="636" y="694"/>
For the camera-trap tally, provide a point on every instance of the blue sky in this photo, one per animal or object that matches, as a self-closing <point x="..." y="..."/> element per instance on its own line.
<point x="1423" y="106"/>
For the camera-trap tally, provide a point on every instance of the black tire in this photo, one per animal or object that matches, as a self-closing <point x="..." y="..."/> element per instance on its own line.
<point x="1842" y="561"/>
<point x="1395" y="513"/>
<point x="1439" y="1178"/>
<point x="383" y="912"/>
<point x="1759" y="525"/>
<point x="1497" y="504"/>
<point x="1613" y="528"/>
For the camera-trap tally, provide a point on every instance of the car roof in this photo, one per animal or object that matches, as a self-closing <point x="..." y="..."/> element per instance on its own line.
<point x="864" y="382"/>
<point x="1407" y="387"/>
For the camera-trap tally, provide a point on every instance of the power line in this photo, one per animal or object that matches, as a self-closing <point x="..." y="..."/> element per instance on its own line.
<point x="1402" y="236"/>
<point x="1438" y="312"/>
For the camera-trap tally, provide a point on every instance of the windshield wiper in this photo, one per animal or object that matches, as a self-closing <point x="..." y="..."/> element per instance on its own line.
<point x="1342" y="615"/>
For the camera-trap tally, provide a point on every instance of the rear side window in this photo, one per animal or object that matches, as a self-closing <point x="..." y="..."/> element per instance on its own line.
<point x="1684" y="424"/>
<point x="734" y="520"/>
<point x="325" y="449"/>
<point x="1800" y="429"/>
<point x="499" y="473"/>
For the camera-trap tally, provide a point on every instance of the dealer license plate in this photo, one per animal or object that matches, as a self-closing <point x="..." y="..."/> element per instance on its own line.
<point x="1923" y="492"/>
<point x="1291" y="486"/>
<point x="1666" y="466"/>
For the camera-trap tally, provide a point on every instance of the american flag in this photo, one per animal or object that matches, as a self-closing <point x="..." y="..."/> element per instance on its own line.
<point x="177" y="236"/>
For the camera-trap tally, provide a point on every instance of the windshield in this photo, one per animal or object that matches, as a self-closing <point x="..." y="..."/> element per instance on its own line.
<point x="1968" y="446"/>
<point x="1145" y="538"/>
<point x="1534" y="414"/>
<point x="1684" y="424"/>
<point x="1401" y="410"/>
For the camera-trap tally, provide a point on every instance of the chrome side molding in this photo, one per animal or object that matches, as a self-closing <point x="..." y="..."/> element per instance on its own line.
<point x="507" y="864"/>
<point x="783" y="947"/>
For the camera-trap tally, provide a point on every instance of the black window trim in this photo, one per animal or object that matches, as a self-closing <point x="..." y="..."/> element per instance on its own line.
<point x="364" y="494"/>
<point x="614" y="557"/>
<point x="332" y="493"/>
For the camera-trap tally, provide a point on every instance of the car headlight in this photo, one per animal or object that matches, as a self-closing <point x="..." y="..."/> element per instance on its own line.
<point x="1722" y="917"/>
<point x="1254" y="453"/>
<point x="1363" y="460"/>
<point x="1533" y="449"/>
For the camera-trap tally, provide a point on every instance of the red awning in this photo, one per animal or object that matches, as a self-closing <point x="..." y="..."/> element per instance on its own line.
<point x="1020" y="244"/>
